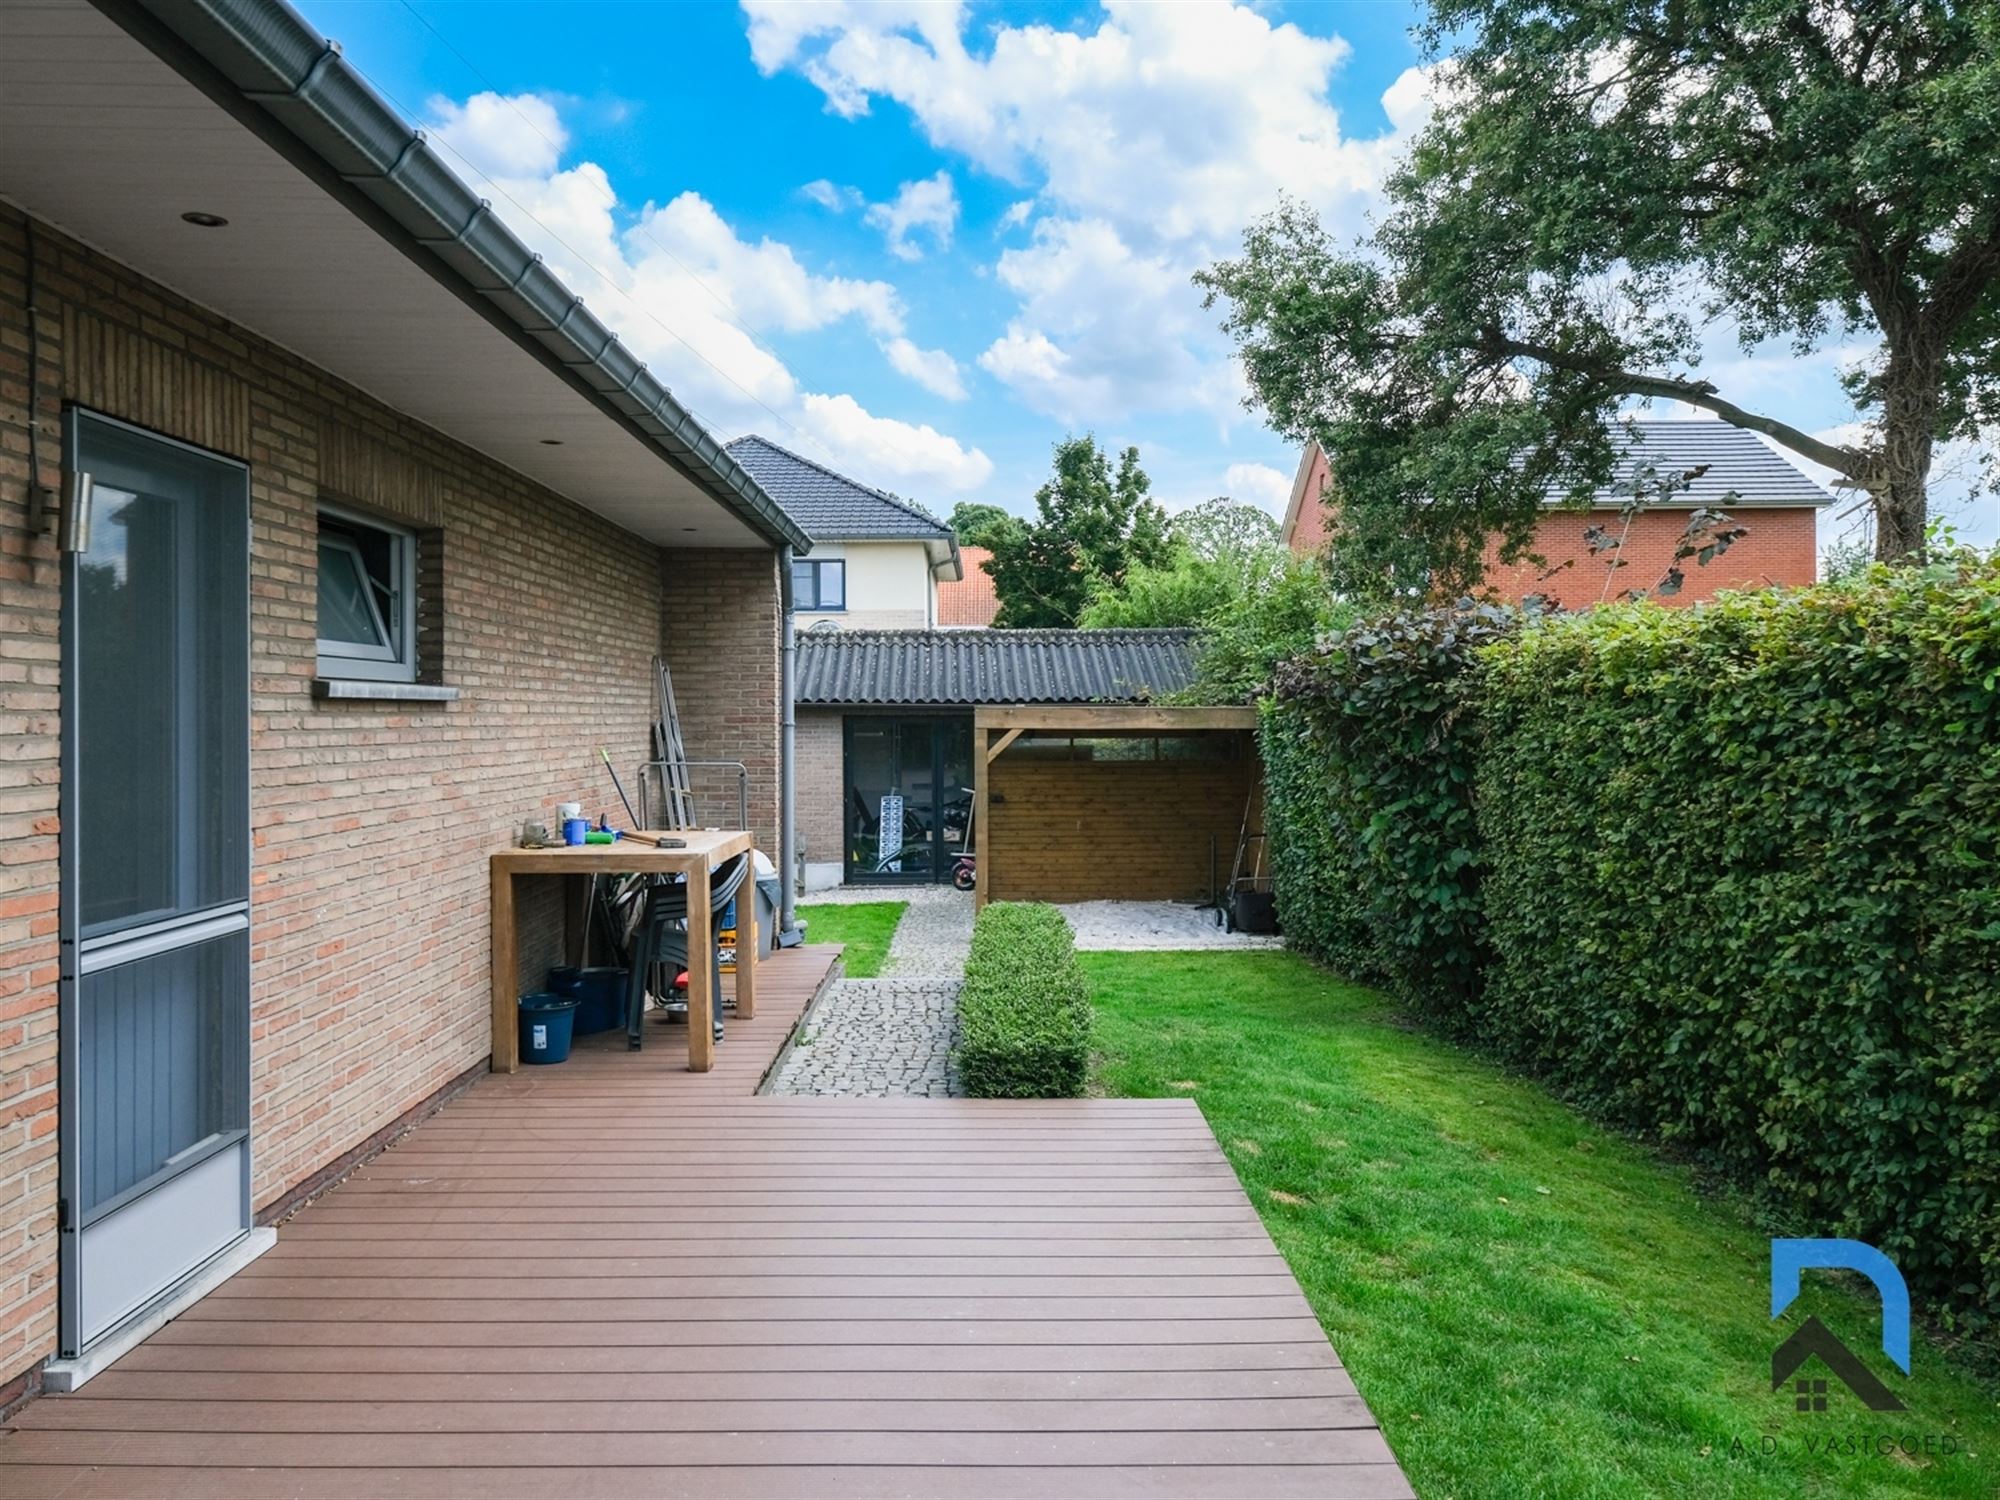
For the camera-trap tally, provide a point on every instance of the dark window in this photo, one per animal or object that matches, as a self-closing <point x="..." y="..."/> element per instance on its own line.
<point x="819" y="585"/>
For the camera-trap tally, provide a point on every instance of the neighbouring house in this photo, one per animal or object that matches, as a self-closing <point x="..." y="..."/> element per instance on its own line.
<point x="876" y="561"/>
<point x="1742" y="475"/>
<point x="971" y="602"/>
<point x="335" y="538"/>
<point x="887" y="773"/>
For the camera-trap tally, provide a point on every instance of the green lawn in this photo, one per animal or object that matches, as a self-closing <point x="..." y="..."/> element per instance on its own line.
<point x="865" y="927"/>
<point x="1531" y="1307"/>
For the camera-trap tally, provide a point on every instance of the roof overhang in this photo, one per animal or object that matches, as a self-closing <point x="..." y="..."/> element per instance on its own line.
<point x="942" y="554"/>
<point x="349" y="243"/>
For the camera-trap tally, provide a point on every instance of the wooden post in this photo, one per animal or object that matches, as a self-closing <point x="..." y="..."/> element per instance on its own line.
<point x="506" y="941"/>
<point x="746" y="938"/>
<point x="982" y="824"/>
<point x="701" y="971"/>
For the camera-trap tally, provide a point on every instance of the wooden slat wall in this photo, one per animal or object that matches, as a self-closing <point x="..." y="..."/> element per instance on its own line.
<point x="119" y="371"/>
<point x="354" y="466"/>
<point x="1069" y="830"/>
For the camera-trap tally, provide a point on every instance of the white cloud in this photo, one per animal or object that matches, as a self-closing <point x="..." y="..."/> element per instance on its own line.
<point x="904" y="452"/>
<point x="690" y="296"/>
<point x="933" y="369"/>
<point x="928" y="206"/>
<point x="1259" y="485"/>
<point x="1149" y="139"/>
<point x="522" y="136"/>
<point x="832" y="196"/>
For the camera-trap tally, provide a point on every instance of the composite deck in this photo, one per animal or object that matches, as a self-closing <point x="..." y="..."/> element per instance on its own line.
<point x="615" y="1278"/>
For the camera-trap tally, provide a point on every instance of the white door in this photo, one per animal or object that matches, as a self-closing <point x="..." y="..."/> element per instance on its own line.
<point x="155" y="923"/>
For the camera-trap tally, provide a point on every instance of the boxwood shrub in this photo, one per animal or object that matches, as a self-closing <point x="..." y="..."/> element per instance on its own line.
<point x="1742" y="888"/>
<point x="1024" y="1014"/>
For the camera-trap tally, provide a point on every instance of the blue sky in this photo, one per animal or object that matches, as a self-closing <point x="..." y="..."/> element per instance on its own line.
<point x="924" y="242"/>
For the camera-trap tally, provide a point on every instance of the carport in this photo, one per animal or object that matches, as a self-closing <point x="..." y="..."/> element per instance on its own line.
<point x="1121" y="802"/>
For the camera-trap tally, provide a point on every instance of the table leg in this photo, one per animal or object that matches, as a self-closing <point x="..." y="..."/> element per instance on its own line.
<point x="701" y="972"/>
<point x="746" y="945"/>
<point x="506" y="940"/>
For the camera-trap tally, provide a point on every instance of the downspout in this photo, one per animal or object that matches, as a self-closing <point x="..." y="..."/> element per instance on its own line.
<point x="788" y="826"/>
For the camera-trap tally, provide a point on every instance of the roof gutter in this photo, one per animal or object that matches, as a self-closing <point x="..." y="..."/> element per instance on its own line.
<point x="262" y="62"/>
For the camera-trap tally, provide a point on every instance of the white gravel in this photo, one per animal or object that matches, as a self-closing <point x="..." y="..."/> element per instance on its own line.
<point x="1153" y="926"/>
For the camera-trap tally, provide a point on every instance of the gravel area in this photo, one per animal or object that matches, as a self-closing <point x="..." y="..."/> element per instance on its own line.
<point x="1144" y="926"/>
<point x="876" y="1037"/>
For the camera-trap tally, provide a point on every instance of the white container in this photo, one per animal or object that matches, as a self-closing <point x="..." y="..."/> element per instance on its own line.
<point x="566" y="810"/>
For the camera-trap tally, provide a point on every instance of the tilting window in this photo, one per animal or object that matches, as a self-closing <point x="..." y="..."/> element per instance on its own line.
<point x="367" y="599"/>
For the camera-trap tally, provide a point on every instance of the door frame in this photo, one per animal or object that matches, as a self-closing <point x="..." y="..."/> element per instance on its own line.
<point x="72" y="950"/>
<point x="942" y="850"/>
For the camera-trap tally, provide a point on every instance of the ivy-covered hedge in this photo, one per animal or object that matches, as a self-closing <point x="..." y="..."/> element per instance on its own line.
<point x="1742" y="884"/>
<point x="1024" y="1014"/>
<point x="1729" y="875"/>
<point x="1368" y="751"/>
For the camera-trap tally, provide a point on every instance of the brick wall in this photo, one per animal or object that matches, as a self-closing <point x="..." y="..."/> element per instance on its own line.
<point x="371" y="822"/>
<point x="820" y="788"/>
<point x="720" y="635"/>
<point x="1781" y="549"/>
<point x="1069" y="830"/>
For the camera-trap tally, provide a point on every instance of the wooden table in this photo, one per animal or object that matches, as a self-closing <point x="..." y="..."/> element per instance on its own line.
<point x="703" y="850"/>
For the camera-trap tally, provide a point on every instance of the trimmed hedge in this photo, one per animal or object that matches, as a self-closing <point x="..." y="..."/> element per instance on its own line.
<point x="1743" y="886"/>
<point x="1024" y="1013"/>
<point x="1729" y="875"/>
<point x="1368" y="751"/>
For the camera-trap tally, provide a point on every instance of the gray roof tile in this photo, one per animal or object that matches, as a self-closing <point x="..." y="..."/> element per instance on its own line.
<point x="829" y="506"/>
<point x="967" y="667"/>
<point x="1742" y="469"/>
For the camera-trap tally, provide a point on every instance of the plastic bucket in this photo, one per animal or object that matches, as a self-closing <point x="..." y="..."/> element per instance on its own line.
<point x="600" y="993"/>
<point x="545" y="1027"/>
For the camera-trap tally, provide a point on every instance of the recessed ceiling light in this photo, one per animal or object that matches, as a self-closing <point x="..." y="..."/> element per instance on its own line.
<point x="203" y="221"/>
<point x="551" y="442"/>
<point x="689" y="528"/>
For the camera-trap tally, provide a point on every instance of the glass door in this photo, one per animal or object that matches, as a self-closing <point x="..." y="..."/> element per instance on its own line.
<point x="906" y="803"/>
<point x="155" y="925"/>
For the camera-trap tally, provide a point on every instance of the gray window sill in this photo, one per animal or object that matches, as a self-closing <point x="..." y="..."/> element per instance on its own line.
<point x="355" y="688"/>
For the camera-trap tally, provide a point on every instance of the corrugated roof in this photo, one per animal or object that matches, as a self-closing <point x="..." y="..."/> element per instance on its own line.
<point x="970" y="600"/>
<point x="969" y="667"/>
<point x="1742" y="469"/>
<point x="830" y="506"/>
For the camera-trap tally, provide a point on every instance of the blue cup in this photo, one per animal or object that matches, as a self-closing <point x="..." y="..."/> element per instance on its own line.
<point x="574" y="829"/>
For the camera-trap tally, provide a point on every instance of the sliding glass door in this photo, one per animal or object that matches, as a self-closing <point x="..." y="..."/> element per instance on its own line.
<point x="908" y="795"/>
<point x="155" y="925"/>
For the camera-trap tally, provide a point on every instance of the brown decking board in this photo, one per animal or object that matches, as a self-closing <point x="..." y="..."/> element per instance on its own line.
<point x="617" y="1278"/>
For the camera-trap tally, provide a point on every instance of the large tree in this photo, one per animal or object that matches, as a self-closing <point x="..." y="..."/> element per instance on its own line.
<point x="976" y="523"/>
<point x="1092" y="523"/>
<point x="1605" y="183"/>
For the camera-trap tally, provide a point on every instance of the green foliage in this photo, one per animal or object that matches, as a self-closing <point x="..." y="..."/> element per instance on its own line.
<point x="977" y="524"/>
<point x="1024" y="1015"/>
<point x="1282" y="614"/>
<point x="1222" y="528"/>
<point x="1569" y="234"/>
<point x="1091" y="526"/>
<point x="1368" y="747"/>
<point x="1740" y="888"/>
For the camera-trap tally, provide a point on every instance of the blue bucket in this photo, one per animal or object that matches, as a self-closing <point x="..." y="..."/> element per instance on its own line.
<point x="600" y="994"/>
<point x="545" y="1027"/>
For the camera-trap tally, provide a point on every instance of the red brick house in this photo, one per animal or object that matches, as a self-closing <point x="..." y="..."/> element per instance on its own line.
<point x="335" y="537"/>
<point x="1777" y="503"/>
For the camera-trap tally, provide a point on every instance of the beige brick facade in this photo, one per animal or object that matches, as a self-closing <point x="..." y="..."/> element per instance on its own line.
<point x="371" y="821"/>
<point x="820" y="787"/>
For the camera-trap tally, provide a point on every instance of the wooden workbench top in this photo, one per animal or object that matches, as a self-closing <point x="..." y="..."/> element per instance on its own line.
<point x="627" y="856"/>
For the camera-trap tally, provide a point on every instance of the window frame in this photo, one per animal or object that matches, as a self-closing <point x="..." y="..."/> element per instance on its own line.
<point x="815" y="565"/>
<point x="396" y="662"/>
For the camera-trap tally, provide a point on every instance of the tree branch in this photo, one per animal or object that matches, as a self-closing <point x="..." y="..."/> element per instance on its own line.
<point x="1850" y="462"/>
